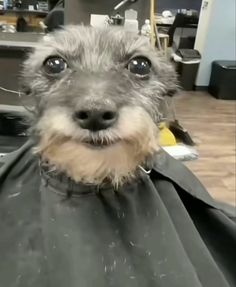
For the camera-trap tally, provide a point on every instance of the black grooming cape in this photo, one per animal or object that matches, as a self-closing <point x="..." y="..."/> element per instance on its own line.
<point x="162" y="230"/>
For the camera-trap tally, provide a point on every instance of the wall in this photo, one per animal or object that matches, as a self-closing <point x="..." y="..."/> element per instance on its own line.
<point x="216" y="36"/>
<point x="203" y="25"/>
<point x="78" y="11"/>
<point x="178" y="4"/>
<point x="26" y="3"/>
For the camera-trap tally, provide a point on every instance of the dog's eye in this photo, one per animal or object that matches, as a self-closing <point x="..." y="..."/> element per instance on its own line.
<point x="140" y="66"/>
<point x="54" y="65"/>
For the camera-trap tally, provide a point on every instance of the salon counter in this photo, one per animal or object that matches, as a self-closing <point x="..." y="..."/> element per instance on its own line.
<point x="14" y="48"/>
<point x="19" y="39"/>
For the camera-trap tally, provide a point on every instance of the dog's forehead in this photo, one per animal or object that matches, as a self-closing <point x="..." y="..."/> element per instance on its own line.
<point x="109" y="43"/>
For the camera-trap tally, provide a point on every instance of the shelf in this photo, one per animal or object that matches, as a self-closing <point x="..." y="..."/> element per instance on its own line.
<point x="24" y="11"/>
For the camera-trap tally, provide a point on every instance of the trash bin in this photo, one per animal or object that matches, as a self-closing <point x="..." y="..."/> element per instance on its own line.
<point x="223" y="80"/>
<point x="187" y="63"/>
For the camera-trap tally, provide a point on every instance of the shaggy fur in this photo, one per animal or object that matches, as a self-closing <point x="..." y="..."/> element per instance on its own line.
<point x="97" y="76"/>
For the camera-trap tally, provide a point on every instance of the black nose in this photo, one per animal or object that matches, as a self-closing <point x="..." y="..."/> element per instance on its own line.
<point x="96" y="120"/>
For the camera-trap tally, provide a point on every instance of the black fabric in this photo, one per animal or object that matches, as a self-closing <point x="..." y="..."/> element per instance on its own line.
<point x="162" y="230"/>
<point x="55" y="18"/>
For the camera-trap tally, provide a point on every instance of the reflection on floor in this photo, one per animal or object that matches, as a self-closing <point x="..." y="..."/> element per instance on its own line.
<point x="212" y="124"/>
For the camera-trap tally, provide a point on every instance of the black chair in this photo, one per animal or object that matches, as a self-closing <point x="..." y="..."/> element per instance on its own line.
<point x="13" y="130"/>
<point x="55" y="18"/>
<point x="182" y="21"/>
<point x="21" y="25"/>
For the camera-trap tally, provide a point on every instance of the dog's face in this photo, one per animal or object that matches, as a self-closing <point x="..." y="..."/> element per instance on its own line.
<point x="97" y="101"/>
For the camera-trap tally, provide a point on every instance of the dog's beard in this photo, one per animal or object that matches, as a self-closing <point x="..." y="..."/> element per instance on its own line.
<point x="128" y="144"/>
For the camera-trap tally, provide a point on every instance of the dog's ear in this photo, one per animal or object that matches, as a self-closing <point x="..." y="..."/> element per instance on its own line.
<point x="25" y="89"/>
<point x="172" y="92"/>
<point x="173" y="86"/>
<point x="167" y="75"/>
<point x="164" y="71"/>
<point x="26" y="97"/>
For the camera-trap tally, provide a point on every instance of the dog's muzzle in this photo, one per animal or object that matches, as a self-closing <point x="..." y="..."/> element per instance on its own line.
<point x="96" y="119"/>
<point x="99" y="143"/>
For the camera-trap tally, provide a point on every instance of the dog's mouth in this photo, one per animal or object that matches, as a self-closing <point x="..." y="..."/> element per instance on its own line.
<point x="99" y="143"/>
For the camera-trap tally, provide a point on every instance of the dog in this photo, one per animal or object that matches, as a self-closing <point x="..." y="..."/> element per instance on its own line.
<point x="82" y="211"/>
<point x="97" y="95"/>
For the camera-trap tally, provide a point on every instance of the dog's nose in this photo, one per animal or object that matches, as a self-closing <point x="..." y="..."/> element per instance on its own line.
<point x="96" y="120"/>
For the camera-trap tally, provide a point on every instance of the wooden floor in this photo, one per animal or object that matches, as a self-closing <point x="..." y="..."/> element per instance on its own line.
<point x="212" y="125"/>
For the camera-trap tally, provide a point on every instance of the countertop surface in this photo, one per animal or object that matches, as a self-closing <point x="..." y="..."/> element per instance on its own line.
<point x="17" y="44"/>
<point x="21" y="40"/>
<point x="23" y="11"/>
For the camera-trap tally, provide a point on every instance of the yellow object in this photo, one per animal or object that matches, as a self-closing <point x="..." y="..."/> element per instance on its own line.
<point x="166" y="137"/>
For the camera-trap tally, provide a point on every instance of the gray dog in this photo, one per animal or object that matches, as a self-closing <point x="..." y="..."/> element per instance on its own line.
<point x="98" y="96"/>
<point x="83" y="211"/>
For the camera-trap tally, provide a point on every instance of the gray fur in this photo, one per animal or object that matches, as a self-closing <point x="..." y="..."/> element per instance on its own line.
<point x="97" y="73"/>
